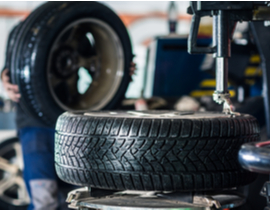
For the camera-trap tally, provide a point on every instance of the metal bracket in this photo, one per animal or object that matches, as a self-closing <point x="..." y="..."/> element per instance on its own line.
<point x="224" y="98"/>
<point x="142" y="200"/>
<point x="265" y="192"/>
<point x="77" y="195"/>
<point x="207" y="200"/>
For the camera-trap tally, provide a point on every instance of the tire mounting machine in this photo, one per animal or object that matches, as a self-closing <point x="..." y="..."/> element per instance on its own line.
<point x="251" y="156"/>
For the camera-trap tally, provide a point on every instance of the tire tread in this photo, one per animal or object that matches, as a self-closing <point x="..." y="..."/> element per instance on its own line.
<point x="152" y="154"/>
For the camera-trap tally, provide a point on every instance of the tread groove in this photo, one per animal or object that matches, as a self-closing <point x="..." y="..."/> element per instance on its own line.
<point x="157" y="154"/>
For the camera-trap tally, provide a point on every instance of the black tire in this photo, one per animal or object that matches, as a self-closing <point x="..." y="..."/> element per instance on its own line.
<point x="114" y="150"/>
<point x="32" y="54"/>
<point x="9" y="199"/>
<point x="10" y="44"/>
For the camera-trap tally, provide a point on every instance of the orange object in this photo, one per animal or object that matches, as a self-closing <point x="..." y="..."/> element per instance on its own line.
<point x="128" y="19"/>
<point x="13" y="13"/>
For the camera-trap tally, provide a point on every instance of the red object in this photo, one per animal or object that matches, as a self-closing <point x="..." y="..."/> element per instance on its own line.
<point x="262" y="144"/>
<point x="141" y="105"/>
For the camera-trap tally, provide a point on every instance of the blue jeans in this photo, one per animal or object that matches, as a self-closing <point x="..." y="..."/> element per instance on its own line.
<point x="39" y="172"/>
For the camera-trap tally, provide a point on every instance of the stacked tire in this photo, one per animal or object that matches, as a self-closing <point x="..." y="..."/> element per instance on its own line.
<point x="161" y="151"/>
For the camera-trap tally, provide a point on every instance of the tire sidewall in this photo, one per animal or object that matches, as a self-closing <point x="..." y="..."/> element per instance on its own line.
<point x="48" y="31"/>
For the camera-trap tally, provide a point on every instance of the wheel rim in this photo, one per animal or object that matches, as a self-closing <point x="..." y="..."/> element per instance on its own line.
<point x="91" y="45"/>
<point x="12" y="186"/>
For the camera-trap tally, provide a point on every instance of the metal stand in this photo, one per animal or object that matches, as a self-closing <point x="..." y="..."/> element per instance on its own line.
<point x="225" y="15"/>
<point x="262" y="39"/>
<point x="255" y="157"/>
<point x="266" y="193"/>
<point x="140" y="200"/>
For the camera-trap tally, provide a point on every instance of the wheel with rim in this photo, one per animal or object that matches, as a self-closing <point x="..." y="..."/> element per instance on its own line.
<point x="13" y="193"/>
<point x="153" y="150"/>
<point x="71" y="56"/>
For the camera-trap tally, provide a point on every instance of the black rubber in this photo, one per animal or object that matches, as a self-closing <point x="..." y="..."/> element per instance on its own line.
<point x="153" y="154"/>
<point x="34" y="40"/>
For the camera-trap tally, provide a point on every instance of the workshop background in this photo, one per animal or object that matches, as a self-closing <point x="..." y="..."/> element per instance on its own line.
<point x="144" y="21"/>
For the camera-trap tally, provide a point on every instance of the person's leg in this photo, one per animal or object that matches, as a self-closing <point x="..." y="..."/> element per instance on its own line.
<point x="39" y="172"/>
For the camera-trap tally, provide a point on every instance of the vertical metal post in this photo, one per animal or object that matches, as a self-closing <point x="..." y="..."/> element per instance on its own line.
<point x="222" y="74"/>
<point x="221" y="37"/>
